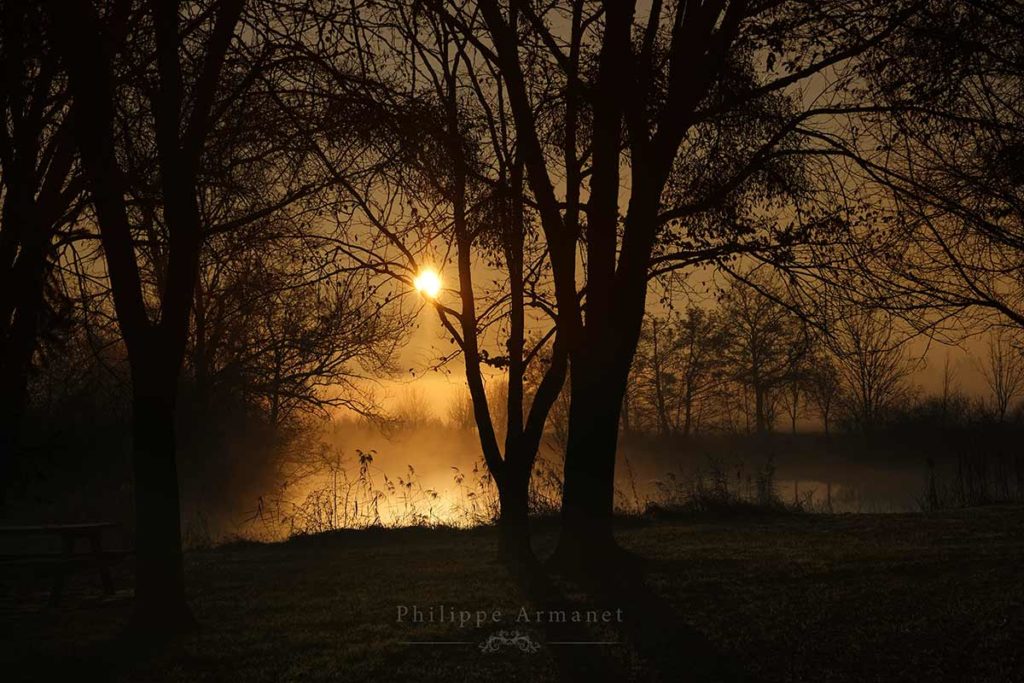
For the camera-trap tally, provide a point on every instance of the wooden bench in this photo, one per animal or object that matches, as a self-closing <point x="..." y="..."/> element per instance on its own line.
<point x="67" y="559"/>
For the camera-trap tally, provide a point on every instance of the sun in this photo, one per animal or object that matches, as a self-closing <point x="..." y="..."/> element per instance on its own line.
<point x="428" y="283"/>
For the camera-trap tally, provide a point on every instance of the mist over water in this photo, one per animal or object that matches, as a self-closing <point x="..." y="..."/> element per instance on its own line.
<point x="358" y="474"/>
<point x="803" y="469"/>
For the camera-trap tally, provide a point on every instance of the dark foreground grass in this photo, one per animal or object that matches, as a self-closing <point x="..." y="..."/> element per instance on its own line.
<point x="924" y="597"/>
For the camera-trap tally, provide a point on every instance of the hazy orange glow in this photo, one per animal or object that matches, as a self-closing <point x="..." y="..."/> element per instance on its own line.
<point x="428" y="283"/>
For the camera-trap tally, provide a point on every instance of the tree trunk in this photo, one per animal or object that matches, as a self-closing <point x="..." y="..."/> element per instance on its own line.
<point x="760" y="423"/>
<point x="513" y="520"/>
<point x="14" y="372"/>
<point x="688" y="414"/>
<point x="599" y="374"/>
<point x="13" y="394"/>
<point x="18" y="349"/>
<point x="159" y="577"/>
<point x="588" y="494"/>
<point x="664" y="428"/>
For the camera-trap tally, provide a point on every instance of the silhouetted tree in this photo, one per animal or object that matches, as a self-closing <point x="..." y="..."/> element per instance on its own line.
<point x="676" y="370"/>
<point x="1003" y="370"/>
<point x="766" y="345"/>
<point x="682" y="92"/>
<point x="183" y="96"/>
<point x="289" y="341"/>
<point x="460" y="411"/>
<point x="655" y="350"/>
<point x="873" y="365"/>
<point x="447" y="149"/>
<point x="823" y="386"/>
<point x="793" y="396"/>
<point x="40" y="196"/>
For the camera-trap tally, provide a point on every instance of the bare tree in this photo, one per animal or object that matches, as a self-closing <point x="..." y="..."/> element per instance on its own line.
<point x="412" y="410"/>
<point x="823" y="387"/>
<point x="460" y="411"/>
<point x="766" y="345"/>
<point x="794" y="396"/>
<point x="701" y="337"/>
<point x="290" y="341"/>
<point x="1003" y="371"/>
<point x="675" y="370"/>
<point x="653" y="378"/>
<point x="873" y="364"/>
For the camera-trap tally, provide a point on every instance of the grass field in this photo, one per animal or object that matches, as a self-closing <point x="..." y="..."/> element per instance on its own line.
<point x="925" y="597"/>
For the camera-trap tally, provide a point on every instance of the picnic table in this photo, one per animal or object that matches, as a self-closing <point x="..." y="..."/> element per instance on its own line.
<point x="67" y="559"/>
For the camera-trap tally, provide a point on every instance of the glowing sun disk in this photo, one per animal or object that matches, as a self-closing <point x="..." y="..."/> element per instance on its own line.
<point x="428" y="283"/>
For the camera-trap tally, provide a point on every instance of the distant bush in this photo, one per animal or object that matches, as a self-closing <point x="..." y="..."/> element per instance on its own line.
<point x="717" y="489"/>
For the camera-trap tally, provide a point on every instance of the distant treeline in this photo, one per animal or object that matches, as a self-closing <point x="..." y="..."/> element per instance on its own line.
<point x="750" y="364"/>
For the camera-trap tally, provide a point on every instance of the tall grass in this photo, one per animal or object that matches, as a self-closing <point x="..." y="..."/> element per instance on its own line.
<point x="336" y="491"/>
<point x="976" y="477"/>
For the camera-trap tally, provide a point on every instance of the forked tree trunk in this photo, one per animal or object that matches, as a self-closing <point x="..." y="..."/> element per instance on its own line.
<point x="603" y="341"/>
<point x="599" y="374"/>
